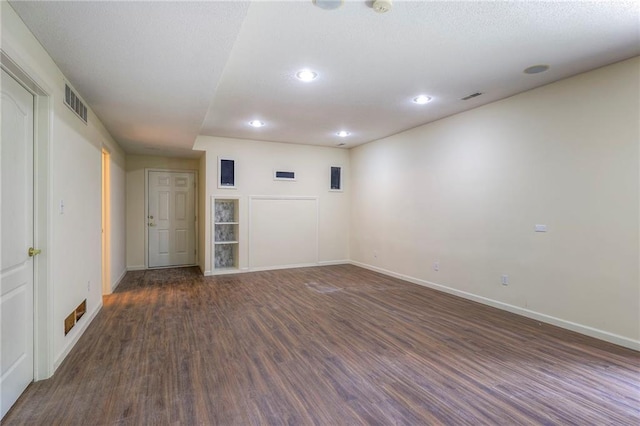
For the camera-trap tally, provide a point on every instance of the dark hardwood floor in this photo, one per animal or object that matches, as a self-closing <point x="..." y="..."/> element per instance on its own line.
<point x="335" y="345"/>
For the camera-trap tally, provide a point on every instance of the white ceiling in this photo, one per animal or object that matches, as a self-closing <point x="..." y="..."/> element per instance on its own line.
<point x="160" y="73"/>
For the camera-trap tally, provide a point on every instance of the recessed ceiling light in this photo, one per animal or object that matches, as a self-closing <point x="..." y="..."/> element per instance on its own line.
<point x="422" y="99"/>
<point x="343" y="133"/>
<point x="256" y="123"/>
<point x="535" y="69"/>
<point x="306" y="75"/>
<point x="382" y="6"/>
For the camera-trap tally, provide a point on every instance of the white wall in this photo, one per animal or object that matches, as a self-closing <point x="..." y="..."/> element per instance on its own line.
<point x="202" y="212"/>
<point x="255" y="163"/>
<point x="467" y="190"/>
<point x="118" y="218"/>
<point x="73" y="248"/>
<point x="136" y="221"/>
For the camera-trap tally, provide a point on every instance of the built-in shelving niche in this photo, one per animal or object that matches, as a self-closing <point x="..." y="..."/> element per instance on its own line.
<point x="225" y="233"/>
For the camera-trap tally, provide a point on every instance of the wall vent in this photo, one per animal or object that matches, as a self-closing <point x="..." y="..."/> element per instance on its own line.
<point x="73" y="101"/>
<point x="473" y="95"/>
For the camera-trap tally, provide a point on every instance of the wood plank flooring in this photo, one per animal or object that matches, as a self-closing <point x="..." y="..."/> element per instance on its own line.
<point x="335" y="345"/>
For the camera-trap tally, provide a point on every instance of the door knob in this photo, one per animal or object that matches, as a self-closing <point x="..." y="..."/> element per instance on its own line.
<point x="152" y="224"/>
<point x="34" y="252"/>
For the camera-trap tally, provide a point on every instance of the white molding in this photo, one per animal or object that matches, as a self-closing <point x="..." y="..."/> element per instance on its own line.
<point x="227" y="271"/>
<point x="212" y="233"/>
<point x="568" y="325"/>
<point x="12" y="61"/>
<point x="341" y="178"/>
<point x="146" y="209"/>
<point x="277" y="267"/>
<point x="334" y="262"/>
<point x="283" y="197"/>
<point x="235" y="163"/>
<point x="136" y="268"/>
<point x="79" y="331"/>
<point x="285" y="170"/>
<point x="119" y="280"/>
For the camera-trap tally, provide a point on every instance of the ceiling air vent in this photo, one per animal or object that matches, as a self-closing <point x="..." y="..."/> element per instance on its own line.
<point x="73" y="101"/>
<point x="473" y="95"/>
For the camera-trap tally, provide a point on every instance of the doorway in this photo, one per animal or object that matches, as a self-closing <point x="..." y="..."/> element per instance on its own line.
<point x="171" y="218"/>
<point x="106" y="221"/>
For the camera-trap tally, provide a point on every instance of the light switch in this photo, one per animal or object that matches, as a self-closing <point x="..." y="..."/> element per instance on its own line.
<point x="541" y="228"/>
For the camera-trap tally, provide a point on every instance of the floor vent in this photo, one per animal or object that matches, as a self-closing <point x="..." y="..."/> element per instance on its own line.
<point x="471" y="96"/>
<point x="73" y="101"/>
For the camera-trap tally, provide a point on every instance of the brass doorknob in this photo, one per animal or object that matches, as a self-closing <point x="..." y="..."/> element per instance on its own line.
<point x="34" y="252"/>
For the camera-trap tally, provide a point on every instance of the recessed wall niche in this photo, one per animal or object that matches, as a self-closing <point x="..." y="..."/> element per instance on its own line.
<point x="225" y="233"/>
<point x="226" y="173"/>
<point x="335" y="174"/>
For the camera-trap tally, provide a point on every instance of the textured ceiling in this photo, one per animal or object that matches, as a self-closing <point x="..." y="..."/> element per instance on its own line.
<point x="148" y="69"/>
<point x="158" y="74"/>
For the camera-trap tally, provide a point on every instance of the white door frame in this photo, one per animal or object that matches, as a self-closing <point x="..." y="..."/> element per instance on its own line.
<point x="106" y="220"/>
<point x="146" y="209"/>
<point x="43" y="332"/>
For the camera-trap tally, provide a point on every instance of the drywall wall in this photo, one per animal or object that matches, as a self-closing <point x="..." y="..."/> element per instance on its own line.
<point x="255" y="164"/>
<point x="70" y="237"/>
<point x="136" y="221"/>
<point x="118" y="217"/>
<point x="202" y="211"/>
<point x="465" y="192"/>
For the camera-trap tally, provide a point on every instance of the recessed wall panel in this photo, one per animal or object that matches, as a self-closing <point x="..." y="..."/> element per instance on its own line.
<point x="181" y="206"/>
<point x="163" y="241"/>
<point x="181" y="241"/>
<point x="283" y="232"/>
<point x="163" y="205"/>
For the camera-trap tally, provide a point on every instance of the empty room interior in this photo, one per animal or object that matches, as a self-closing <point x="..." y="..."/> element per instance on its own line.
<point x="323" y="212"/>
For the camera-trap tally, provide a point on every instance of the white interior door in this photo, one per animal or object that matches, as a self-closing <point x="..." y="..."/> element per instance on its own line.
<point x="171" y="219"/>
<point x="16" y="274"/>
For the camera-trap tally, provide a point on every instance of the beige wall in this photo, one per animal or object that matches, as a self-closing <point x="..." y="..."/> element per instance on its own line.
<point x="136" y="222"/>
<point x="71" y="244"/>
<point x="255" y="163"/>
<point x="466" y="191"/>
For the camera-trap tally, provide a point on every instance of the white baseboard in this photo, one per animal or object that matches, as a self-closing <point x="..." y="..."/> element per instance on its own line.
<point x="118" y="281"/>
<point x="136" y="268"/>
<point x="275" y="268"/>
<point x="569" y="325"/>
<point x="79" y="330"/>
<point x="333" y="262"/>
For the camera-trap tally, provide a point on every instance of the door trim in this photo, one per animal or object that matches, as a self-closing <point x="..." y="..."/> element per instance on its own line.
<point x="106" y="220"/>
<point x="43" y="356"/>
<point x="146" y="212"/>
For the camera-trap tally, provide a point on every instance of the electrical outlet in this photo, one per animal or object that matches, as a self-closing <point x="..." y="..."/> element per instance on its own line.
<point x="436" y="266"/>
<point x="504" y="279"/>
<point x="540" y="228"/>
